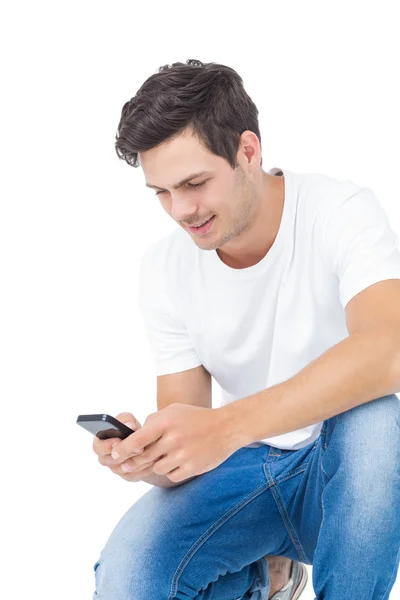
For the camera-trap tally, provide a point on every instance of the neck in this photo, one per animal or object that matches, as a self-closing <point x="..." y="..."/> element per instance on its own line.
<point x="249" y="247"/>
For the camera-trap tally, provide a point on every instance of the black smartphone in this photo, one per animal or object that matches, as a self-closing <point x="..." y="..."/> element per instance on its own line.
<point x="104" y="426"/>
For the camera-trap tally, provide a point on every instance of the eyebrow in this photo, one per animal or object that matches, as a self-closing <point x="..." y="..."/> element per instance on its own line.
<point x="178" y="185"/>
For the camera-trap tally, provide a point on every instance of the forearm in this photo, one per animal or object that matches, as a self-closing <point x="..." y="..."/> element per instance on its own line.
<point x="358" y="369"/>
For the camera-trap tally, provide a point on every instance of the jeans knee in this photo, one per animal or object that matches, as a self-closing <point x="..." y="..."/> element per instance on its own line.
<point x="124" y="574"/>
<point x="375" y="424"/>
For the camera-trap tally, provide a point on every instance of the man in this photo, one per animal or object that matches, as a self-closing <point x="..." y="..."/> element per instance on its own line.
<point x="286" y="289"/>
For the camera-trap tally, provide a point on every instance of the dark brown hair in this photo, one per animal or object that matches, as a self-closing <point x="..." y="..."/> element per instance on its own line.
<point x="207" y="98"/>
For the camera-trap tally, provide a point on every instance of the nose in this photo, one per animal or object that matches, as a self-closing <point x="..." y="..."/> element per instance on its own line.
<point x="183" y="208"/>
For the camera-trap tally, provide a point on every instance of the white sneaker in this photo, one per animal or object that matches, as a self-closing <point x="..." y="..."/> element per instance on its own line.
<point x="296" y="584"/>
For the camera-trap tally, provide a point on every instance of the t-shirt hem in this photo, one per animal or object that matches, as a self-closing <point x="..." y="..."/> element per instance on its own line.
<point x="366" y="282"/>
<point x="168" y="368"/>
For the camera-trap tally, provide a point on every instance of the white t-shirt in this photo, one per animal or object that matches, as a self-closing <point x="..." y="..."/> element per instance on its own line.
<point x="256" y="327"/>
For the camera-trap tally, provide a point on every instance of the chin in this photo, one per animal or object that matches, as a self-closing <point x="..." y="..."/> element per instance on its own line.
<point x="207" y="244"/>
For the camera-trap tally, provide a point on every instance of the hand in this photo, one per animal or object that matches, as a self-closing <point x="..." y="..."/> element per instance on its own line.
<point x="182" y="440"/>
<point x="103" y="449"/>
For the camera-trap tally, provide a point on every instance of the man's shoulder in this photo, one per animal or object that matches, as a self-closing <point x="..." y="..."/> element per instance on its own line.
<point x="318" y="182"/>
<point x="320" y="192"/>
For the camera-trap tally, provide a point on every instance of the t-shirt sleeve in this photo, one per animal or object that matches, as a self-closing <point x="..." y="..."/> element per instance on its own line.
<point x="169" y="342"/>
<point x="362" y="247"/>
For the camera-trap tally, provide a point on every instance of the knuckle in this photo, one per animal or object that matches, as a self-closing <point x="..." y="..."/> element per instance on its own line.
<point x="152" y="417"/>
<point x="148" y="466"/>
<point x="127" y="416"/>
<point x="136" y="465"/>
<point x="172" y="440"/>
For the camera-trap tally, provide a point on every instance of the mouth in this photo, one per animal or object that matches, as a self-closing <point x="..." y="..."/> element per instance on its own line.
<point x="204" y="228"/>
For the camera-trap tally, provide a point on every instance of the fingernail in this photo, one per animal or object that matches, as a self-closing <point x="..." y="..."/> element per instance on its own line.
<point x="114" y="454"/>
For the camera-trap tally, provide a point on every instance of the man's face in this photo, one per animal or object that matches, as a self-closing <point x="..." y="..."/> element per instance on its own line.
<point x="227" y="195"/>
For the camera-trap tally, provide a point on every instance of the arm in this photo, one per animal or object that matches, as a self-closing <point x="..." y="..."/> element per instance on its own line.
<point x="185" y="379"/>
<point x="361" y="249"/>
<point x="360" y="368"/>
<point x="188" y="387"/>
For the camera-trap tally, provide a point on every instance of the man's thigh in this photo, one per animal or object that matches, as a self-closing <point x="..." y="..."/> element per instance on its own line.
<point x="204" y="533"/>
<point x="348" y="474"/>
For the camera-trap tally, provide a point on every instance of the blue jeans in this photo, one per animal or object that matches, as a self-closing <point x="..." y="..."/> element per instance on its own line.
<point x="334" y="504"/>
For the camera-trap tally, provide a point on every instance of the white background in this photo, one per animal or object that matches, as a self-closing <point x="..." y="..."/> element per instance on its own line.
<point x="75" y="221"/>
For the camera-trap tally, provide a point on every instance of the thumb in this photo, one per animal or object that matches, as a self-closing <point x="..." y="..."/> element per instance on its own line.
<point x="129" y="420"/>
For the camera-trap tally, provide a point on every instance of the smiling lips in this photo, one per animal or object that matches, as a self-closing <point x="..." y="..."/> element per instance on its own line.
<point x="200" y="224"/>
<point x="202" y="229"/>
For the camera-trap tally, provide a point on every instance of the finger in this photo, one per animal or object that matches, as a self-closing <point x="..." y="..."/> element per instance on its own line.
<point x="164" y="465"/>
<point x="152" y="453"/>
<point x="138" y="470"/>
<point x="125" y="417"/>
<point x="137" y="441"/>
<point x="136" y="463"/>
<point x="138" y="476"/>
<point x="131" y="466"/>
<point x="104" y="447"/>
<point x="109" y="461"/>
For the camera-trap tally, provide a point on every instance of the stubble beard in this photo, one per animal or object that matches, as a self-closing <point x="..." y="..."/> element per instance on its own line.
<point x="245" y="197"/>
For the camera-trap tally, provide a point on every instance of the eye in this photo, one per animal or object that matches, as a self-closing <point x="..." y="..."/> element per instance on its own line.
<point x="192" y="185"/>
<point x="196" y="184"/>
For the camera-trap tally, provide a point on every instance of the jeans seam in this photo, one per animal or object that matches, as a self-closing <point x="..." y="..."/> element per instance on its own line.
<point x="207" y="534"/>
<point x="291" y="473"/>
<point x="286" y="519"/>
<point x="323" y="516"/>
<point x="324" y="447"/>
